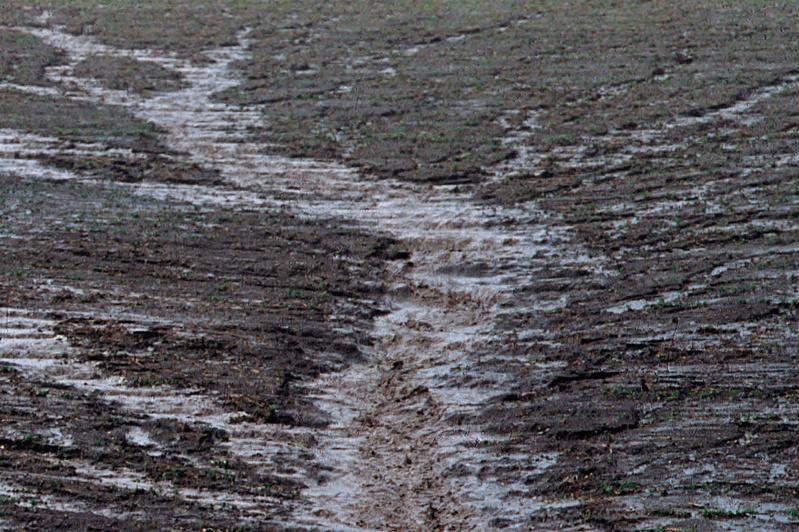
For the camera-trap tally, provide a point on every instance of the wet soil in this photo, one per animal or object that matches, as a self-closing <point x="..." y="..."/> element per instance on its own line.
<point x="71" y="120"/>
<point x="237" y="306"/>
<point x="25" y="58"/>
<point x="558" y="292"/>
<point x="129" y="74"/>
<point x="678" y="384"/>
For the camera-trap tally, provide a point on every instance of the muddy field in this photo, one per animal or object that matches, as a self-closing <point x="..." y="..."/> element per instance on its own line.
<point x="400" y="265"/>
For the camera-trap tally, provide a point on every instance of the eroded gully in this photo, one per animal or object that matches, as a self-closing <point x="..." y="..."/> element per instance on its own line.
<point x="399" y="450"/>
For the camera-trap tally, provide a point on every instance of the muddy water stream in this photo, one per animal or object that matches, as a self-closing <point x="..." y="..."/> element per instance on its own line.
<point x="392" y="445"/>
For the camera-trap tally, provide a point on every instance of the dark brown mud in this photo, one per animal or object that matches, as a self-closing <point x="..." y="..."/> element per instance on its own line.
<point x="226" y="304"/>
<point x="154" y="351"/>
<point x="593" y="327"/>
<point x="128" y="74"/>
<point x="678" y="385"/>
<point x="70" y="120"/>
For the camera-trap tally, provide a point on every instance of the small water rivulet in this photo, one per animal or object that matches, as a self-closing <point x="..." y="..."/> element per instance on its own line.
<point x="392" y="445"/>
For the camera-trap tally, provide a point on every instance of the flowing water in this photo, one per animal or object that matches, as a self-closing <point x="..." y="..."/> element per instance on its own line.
<point x="391" y="446"/>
